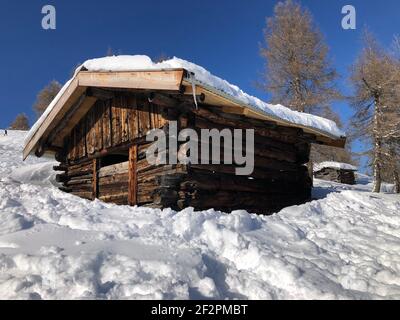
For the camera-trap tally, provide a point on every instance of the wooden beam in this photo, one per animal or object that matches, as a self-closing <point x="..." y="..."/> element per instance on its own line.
<point x="155" y="80"/>
<point x="71" y="120"/>
<point x="40" y="150"/>
<point x="163" y="100"/>
<point x="100" y="94"/>
<point x="132" y="188"/>
<point x="173" y="100"/>
<point x="338" y="143"/>
<point x="95" y="182"/>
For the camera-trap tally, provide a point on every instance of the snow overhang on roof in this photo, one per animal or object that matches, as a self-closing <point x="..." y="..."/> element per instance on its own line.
<point x="174" y="75"/>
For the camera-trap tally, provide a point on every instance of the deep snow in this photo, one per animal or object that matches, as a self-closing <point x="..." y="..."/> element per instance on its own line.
<point x="57" y="246"/>
<point x="141" y="62"/>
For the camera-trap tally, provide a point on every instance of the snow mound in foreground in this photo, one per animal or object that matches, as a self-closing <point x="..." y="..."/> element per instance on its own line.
<point x="57" y="246"/>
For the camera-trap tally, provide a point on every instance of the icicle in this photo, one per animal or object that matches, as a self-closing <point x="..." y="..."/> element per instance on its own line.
<point x="191" y="78"/>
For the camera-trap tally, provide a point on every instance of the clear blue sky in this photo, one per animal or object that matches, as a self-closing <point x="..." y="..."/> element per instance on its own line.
<point x="222" y="36"/>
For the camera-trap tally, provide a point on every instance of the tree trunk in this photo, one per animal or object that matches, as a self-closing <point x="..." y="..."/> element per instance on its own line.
<point x="299" y="101"/>
<point x="377" y="148"/>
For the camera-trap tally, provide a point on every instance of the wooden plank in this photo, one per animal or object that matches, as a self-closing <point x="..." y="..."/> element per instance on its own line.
<point x="123" y="104"/>
<point x="95" y="178"/>
<point x="68" y="98"/>
<point x="144" y="119"/>
<point x="116" y="123"/>
<point x="71" y="145"/>
<point x="90" y="132"/>
<point x="153" y="80"/>
<point x="132" y="188"/>
<point x="107" y="141"/>
<point x="98" y="127"/>
<point x="81" y="140"/>
<point x="71" y="119"/>
<point x="133" y="123"/>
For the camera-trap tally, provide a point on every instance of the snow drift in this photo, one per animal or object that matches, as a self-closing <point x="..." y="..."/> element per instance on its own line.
<point x="57" y="246"/>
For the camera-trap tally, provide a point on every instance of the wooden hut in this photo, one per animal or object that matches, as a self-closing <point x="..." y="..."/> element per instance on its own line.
<point x="336" y="172"/>
<point x="97" y="126"/>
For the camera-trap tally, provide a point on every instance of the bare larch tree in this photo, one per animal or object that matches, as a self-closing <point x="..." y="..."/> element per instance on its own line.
<point x="21" y="122"/>
<point x="45" y="96"/>
<point x="298" y="72"/>
<point x="375" y="77"/>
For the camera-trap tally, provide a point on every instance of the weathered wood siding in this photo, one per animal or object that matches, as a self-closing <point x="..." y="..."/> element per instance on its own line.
<point x="110" y="124"/>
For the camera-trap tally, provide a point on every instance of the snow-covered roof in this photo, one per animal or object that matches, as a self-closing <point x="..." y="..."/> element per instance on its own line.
<point x="334" y="165"/>
<point x="202" y="77"/>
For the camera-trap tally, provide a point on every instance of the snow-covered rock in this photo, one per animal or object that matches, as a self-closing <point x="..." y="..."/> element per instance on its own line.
<point x="57" y="246"/>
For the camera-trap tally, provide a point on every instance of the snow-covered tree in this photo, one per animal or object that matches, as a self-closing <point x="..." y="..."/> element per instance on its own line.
<point x="375" y="77"/>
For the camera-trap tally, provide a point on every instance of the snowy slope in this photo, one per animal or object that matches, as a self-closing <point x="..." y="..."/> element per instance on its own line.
<point x="57" y="246"/>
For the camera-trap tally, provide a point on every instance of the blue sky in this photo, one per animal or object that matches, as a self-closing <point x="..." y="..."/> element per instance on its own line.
<point x="223" y="36"/>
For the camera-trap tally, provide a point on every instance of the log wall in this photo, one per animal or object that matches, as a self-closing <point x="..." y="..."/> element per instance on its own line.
<point x="280" y="177"/>
<point x="78" y="179"/>
<point x="113" y="128"/>
<point x="112" y="123"/>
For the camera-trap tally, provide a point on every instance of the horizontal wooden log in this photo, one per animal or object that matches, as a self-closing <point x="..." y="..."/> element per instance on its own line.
<point x="79" y="182"/>
<point x="216" y="182"/>
<point x="225" y="199"/>
<point x="61" y="167"/>
<point x="100" y="94"/>
<point x="83" y="194"/>
<point x="114" y="179"/>
<point x="207" y="119"/>
<point x="115" y="169"/>
<point x="265" y="172"/>
<point x="121" y="198"/>
<point x="65" y="189"/>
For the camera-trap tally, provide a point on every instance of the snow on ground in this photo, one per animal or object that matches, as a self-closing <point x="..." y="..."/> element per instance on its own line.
<point x="57" y="246"/>
<point x="203" y="76"/>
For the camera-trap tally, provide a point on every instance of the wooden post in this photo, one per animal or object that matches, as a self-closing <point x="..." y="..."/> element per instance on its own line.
<point x="132" y="189"/>
<point x="95" y="179"/>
